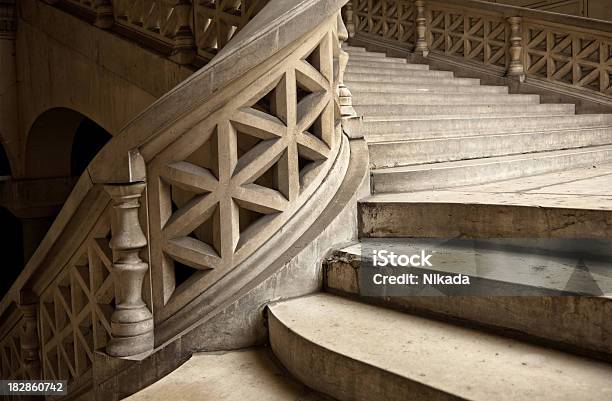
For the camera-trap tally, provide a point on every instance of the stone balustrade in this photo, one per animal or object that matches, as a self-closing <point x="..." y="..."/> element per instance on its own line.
<point x="571" y="53"/>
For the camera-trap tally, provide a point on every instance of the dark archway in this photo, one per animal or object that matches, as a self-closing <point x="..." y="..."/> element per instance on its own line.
<point x="5" y="165"/>
<point x="11" y="245"/>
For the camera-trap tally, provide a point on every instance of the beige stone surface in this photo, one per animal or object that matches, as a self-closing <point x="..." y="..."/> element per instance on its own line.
<point x="249" y="375"/>
<point x="379" y="354"/>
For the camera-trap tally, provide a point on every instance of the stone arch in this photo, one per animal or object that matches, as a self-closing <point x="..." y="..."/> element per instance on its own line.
<point x="61" y="142"/>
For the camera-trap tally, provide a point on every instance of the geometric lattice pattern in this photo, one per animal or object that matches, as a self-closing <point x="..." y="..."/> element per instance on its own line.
<point x="470" y="36"/>
<point x="217" y="21"/>
<point x="155" y="18"/>
<point x="393" y="20"/>
<point x="75" y="309"/>
<point x="227" y="185"/>
<point x="11" y="362"/>
<point x="572" y="58"/>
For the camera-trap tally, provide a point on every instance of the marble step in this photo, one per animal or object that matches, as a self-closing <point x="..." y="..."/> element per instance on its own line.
<point x="388" y="66"/>
<point x="392" y="73"/>
<point x="406" y="112"/>
<point x="360" y="98"/>
<point x="364" y="88"/>
<point x="357" y="78"/>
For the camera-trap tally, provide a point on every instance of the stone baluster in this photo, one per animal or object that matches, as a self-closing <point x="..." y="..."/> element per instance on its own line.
<point x="420" y="45"/>
<point x="516" y="68"/>
<point x="131" y="322"/>
<point x="345" y="98"/>
<point x="104" y="14"/>
<point x="349" y="19"/>
<point x="28" y="304"/>
<point x="184" y="49"/>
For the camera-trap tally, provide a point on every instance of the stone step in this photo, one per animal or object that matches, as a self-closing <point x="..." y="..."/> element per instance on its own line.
<point x="369" y="57"/>
<point x="438" y="98"/>
<point x="352" y="78"/>
<point x="388" y="66"/>
<point x="392" y="73"/>
<point x="478" y="171"/>
<point x="364" y="88"/>
<point x="373" y="354"/>
<point x="352" y="49"/>
<point x="515" y="284"/>
<point x="410" y="128"/>
<point x="442" y="110"/>
<point x="420" y="151"/>
<point x="363" y="53"/>
<point x="475" y="214"/>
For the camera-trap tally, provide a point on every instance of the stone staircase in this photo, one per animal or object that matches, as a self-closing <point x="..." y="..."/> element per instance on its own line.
<point x="451" y="158"/>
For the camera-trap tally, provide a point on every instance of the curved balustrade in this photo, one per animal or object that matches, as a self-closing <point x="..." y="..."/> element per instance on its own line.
<point x="191" y="200"/>
<point x="570" y="52"/>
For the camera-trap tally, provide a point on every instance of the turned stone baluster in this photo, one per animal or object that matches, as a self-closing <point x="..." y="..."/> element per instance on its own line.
<point x="183" y="50"/>
<point x="104" y="14"/>
<point x="131" y="322"/>
<point x="515" y="68"/>
<point x="420" y="45"/>
<point x="28" y="304"/>
<point x="345" y="98"/>
<point x="349" y="20"/>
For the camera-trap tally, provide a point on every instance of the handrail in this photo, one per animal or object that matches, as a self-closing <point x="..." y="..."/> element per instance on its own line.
<point x="566" y="52"/>
<point x="239" y="148"/>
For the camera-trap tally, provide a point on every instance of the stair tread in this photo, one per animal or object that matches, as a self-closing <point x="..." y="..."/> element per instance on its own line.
<point x="466" y="363"/>
<point x="492" y="160"/>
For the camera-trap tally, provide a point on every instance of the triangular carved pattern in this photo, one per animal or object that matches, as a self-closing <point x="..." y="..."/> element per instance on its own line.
<point x="217" y="21"/>
<point x="152" y="17"/>
<point x="74" y="311"/>
<point x="12" y="366"/>
<point x="235" y="180"/>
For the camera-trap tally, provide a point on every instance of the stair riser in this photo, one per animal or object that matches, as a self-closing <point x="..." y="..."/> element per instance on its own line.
<point x="391" y="154"/>
<point x="460" y="110"/>
<point x="525" y="317"/>
<point x="375" y="59"/>
<point x="377" y="87"/>
<point x="435" y="99"/>
<point x="458" y="220"/>
<point x="363" y="53"/>
<point x="396" y="72"/>
<point x="351" y="79"/>
<point x="421" y="180"/>
<point x="394" y="66"/>
<point x="413" y="129"/>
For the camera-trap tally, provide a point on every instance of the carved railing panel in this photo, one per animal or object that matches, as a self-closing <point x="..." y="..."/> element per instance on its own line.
<point x="472" y="36"/>
<point x="217" y="21"/>
<point x="75" y="311"/>
<point x="230" y="182"/>
<point x="393" y="20"/>
<point x="12" y="364"/>
<point x="154" y="18"/>
<point x="568" y="57"/>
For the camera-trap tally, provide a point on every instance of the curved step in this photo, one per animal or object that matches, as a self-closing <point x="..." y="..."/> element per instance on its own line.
<point x="458" y="110"/>
<point x="372" y="354"/>
<point x="437" y="98"/>
<point x="395" y="72"/>
<point x="400" y="66"/>
<point x="396" y="87"/>
<point x="459" y="173"/>
<point x="353" y="78"/>
<point x="514" y="289"/>
<point x="394" y="129"/>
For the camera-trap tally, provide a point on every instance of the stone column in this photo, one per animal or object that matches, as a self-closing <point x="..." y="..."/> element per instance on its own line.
<point x="131" y="322"/>
<point x="420" y="45"/>
<point x="184" y="49"/>
<point x="349" y="19"/>
<point x="515" y="67"/>
<point x="28" y="304"/>
<point x="104" y="14"/>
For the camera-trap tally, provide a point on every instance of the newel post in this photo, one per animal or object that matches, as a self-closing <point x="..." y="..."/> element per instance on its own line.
<point x="516" y="68"/>
<point x="184" y="49"/>
<point x="345" y="98"/>
<point x="349" y="18"/>
<point x="28" y="305"/>
<point x="131" y="322"/>
<point x="420" y="45"/>
<point x="104" y="14"/>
